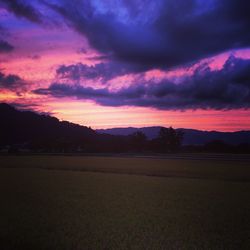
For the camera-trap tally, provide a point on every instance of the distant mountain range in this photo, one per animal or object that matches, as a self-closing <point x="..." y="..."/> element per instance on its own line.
<point x="38" y="131"/>
<point x="191" y="136"/>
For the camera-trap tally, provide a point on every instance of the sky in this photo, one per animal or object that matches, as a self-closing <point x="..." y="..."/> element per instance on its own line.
<point x="120" y="63"/>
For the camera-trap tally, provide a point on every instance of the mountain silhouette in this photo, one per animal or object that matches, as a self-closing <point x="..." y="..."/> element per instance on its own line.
<point x="191" y="136"/>
<point x="44" y="133"/>
<point x="29" y="127"/>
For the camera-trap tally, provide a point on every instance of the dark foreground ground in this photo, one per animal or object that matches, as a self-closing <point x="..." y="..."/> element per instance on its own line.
<point x="124" y="203"/>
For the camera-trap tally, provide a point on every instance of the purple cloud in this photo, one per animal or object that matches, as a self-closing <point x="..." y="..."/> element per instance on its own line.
<point x="228" y="88"/>
<point x="5" y="47"/>
<point x="104" y="71"/>
<point x="149" y="34"/>
<point x="166" y="34"/>
<point x="12" y="82"/>
<point x="22" y="9"/>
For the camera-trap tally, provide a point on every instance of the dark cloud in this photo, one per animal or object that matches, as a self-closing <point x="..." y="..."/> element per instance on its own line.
<point x="22" y="8"/>
<point x="29" y="107"/>
<point x="24" y="106"/>
<point x="12" y="82"/>
<point x="166" y="34"/>
<point x="5" y="46"/>
<point x="151" y="34"/>
<point x="103" y="71"/>
<point x="228" y="88"/>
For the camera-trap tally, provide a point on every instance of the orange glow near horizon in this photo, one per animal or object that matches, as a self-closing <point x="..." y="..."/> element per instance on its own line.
<point x="96" y="116"/>
<point x="88" y="113"/>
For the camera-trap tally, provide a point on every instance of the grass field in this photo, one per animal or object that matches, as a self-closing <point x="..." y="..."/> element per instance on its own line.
<point x="123" y="203"/>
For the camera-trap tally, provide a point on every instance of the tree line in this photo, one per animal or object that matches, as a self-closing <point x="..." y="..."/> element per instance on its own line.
<point x="32" y="132"/>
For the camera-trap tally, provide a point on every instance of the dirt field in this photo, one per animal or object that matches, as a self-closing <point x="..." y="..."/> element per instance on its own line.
<point x="139" y="203"/>
<point x="221" y="167"/>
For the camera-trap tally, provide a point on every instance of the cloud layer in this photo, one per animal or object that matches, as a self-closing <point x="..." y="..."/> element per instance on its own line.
<point x="166" y="34"/>
<point x="22" y="8"/>
<point x="5" y="47"/>
<point x="136" y="53"/>
<point x="160" y="33"/>
<point x="12" y="83"/>
<point x="228" y="88"/>
<point x="103" y="71"/>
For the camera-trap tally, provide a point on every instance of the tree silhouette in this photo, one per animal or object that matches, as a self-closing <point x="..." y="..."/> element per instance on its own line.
<point x="169" y="139"/>
<point x="138" y="141"/>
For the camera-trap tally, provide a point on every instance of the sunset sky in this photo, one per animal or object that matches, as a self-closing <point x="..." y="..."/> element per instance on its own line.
<point x="119" y="63"/>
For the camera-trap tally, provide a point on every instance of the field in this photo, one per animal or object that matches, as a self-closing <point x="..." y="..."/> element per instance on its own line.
<point x="124" y="202"/>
